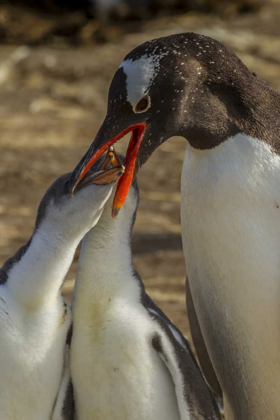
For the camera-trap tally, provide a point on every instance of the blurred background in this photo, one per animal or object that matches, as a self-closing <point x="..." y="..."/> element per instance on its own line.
<point x="57" y="58"/>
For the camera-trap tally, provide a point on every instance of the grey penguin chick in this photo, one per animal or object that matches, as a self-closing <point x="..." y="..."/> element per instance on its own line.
<point x="128" y="361"/>
<point x="34" y="319"/>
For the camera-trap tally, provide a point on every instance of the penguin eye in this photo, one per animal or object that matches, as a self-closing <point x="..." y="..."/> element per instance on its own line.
<point x="143" y="104"/>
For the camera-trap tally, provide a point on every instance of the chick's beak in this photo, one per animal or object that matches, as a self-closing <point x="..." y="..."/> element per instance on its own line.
<point x="110" y="171"/>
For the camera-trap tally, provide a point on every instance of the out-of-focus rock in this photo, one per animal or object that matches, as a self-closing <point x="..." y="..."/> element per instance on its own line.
<point x="27" y="26"/>
<point x="22" y="26"/>
<point x="10" y="68"/>
<point x="59" y="22"/>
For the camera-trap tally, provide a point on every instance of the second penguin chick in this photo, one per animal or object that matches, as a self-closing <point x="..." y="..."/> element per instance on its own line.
<point x="128" y="361"/>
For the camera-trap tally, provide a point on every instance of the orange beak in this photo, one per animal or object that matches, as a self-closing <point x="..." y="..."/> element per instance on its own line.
<point x="126" y="179"/>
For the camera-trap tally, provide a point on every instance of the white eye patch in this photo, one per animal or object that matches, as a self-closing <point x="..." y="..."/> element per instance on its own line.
<point x="140" y="75"/>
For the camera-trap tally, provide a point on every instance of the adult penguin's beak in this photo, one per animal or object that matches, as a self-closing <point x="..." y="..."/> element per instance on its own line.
<point x="101" y="144"/>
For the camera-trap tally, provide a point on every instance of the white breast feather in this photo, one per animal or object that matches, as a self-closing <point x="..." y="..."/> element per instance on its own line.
<point x="115" y="370"/>
<point x="33" y="326"/>
<point x="231" y="237"/>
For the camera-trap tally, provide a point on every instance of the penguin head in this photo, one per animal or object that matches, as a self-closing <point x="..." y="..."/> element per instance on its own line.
<point x="73" y="216"/>
<point x="186" y="85"/>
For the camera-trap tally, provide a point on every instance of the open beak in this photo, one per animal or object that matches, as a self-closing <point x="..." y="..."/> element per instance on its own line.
<point x="93" y="155"/>
<point x="110" y="171"/>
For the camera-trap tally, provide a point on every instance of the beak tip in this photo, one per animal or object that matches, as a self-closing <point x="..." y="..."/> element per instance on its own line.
<point x="71" y="189"/>
<point x="115" y="212"/>
<point x="72" y="183"/>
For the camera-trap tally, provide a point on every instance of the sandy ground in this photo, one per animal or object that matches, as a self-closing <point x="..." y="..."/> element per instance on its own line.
<point x="52" y="102"/>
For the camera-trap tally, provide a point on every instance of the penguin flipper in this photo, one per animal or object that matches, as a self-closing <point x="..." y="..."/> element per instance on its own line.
<point x="194" y="398"/>
<point x="200" y="346"/>
<point x="64" y="406"/>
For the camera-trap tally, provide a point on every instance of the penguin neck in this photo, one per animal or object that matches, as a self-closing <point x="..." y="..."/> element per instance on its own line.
<point x="36" y="273"/>
<point x="106" y="271"/>
<point x="241" y="105"/>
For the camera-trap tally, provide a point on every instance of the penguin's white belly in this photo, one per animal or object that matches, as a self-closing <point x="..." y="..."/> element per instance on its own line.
<point x="116" y="373"/>
<point x="231" y="238"/>
<point x="31" y="359"/>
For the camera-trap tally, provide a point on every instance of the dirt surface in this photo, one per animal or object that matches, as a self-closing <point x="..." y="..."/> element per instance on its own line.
<point x="52" y="102"/>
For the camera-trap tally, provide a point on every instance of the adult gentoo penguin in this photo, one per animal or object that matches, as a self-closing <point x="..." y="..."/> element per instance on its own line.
<point x="128" y="361"/>
<point x="34" y="319"/>
<point x="193" y="86"/>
